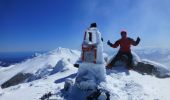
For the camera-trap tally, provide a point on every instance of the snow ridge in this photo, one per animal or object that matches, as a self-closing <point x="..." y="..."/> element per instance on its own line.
<point x="51" y="69"/>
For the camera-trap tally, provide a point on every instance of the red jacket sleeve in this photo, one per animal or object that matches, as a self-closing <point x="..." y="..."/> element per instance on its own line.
<point x="116" y="44"/>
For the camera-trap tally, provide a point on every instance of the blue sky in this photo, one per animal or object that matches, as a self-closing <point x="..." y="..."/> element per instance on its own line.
<point x="40" y="25"/>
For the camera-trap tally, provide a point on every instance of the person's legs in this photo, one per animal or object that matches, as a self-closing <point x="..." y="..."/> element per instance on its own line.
<point x="129" y="62"/>
<point x="117" y="57"/>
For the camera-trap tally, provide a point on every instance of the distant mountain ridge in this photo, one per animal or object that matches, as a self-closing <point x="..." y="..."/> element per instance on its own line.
<point x="47" y="72"/>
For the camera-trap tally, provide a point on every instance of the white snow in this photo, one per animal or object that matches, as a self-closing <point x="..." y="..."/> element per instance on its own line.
<point x="57" y="66"/>
<point x="157" y="88"/>
<point x="41" y="62"/>
<point x="90" y="75"/>
<point x="0" y="91"/>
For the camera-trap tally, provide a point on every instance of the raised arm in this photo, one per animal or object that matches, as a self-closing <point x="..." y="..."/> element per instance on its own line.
<point x="135" y="43"/>
<point x="115" y="45"/>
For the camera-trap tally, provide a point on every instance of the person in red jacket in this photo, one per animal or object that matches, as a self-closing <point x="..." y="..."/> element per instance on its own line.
<point x="125" y="44"/>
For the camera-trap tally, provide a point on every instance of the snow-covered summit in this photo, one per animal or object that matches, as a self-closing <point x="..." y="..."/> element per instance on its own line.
<point x="64" y="52"/>
<point x="41" y="62"/>
<point x="50" y="70"/>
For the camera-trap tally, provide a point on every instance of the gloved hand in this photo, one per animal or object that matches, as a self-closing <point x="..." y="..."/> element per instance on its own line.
<point x="138" y="39"/>
<point x="102" y="39"/>
<point x="109" y="43"/>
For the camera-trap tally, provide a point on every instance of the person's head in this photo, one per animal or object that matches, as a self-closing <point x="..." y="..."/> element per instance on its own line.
<point x="93" y="25"/>
<point x="123" y="34"/>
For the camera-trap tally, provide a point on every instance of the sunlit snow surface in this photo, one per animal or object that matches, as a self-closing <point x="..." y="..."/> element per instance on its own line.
<point x="58" y="65"/>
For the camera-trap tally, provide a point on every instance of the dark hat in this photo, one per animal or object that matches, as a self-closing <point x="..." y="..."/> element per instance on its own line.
<point x="93" y="25"/>
<point x="123" y="32"/>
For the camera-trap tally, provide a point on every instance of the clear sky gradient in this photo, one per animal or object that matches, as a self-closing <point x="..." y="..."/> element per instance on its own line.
<point x="40" y="25"/>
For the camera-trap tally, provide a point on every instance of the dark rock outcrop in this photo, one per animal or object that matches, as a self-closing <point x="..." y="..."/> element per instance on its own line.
<point x="149" y="69"/>
<point x="17" y="79"/>
<point x="145" y="68"/>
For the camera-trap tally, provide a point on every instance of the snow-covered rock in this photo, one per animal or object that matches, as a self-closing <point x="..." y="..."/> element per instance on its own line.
<point x="145" y="66"/>
<point x="122" y="87"/>
<point x="0" y="91"/>
<point x="159" y="70"/>
<point x="53" y="68"/>
<point x="61" y="66"/>
<point x="17" y="79"/>
<point x="90" y="75"/>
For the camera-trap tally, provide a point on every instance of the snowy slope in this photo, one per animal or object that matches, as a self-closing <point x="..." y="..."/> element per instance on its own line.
<point x="40" y="64"/>
<point x="56" y="66"/>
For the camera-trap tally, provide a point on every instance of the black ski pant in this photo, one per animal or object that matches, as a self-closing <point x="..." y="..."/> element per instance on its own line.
<point x="118" y="57"/>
